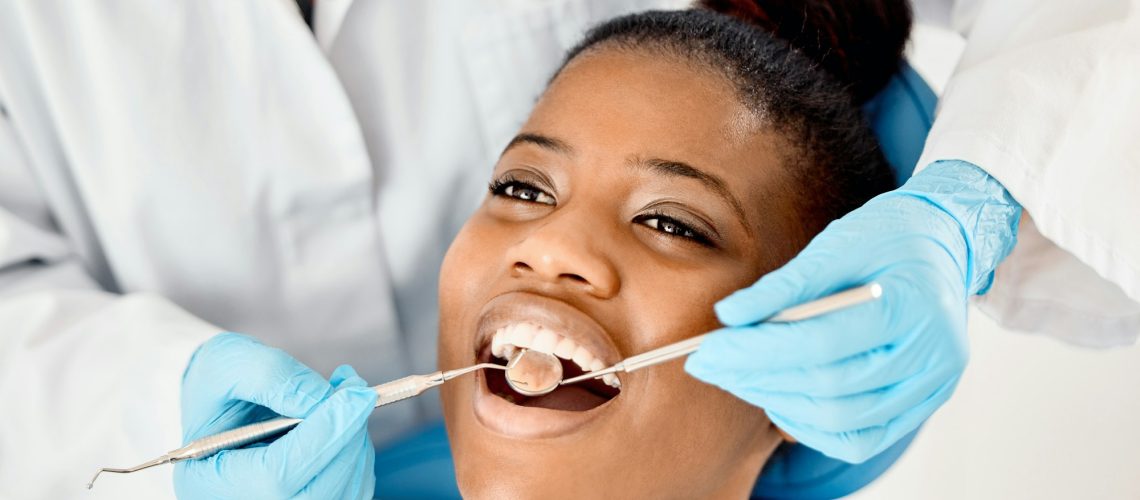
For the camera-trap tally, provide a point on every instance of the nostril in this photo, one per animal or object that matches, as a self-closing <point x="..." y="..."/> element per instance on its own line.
<point x="575" y="278"/>
<point x="521" y="267"/>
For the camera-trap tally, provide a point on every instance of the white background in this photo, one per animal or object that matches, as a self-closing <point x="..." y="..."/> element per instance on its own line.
<point x="1032" y="417"/>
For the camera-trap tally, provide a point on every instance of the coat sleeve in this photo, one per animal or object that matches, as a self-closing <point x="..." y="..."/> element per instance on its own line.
<point x="88" y="378"/>
<point x="1045" y="100"/>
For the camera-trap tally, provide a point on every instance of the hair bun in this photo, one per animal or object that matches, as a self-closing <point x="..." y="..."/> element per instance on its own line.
<point x="860" y="42"/>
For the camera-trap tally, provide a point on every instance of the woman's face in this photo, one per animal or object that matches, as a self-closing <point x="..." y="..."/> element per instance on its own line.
<point x="638" y="193"/>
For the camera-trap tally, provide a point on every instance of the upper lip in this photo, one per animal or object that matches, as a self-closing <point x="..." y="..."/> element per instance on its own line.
<point x="549" y="313"/>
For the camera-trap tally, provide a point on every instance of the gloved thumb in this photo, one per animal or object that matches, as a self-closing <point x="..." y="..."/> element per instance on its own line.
<point x="230" y="368"/>
<point x="345" y="376"/>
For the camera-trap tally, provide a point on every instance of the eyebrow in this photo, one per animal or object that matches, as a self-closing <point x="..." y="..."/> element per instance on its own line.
<point x="671" y="168"/>
<point x="668" y="168"/>
<point x="541" y="141"/>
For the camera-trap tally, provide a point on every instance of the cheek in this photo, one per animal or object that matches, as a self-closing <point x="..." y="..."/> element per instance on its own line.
<point x="689" y="439"/>
<point x="701" y="413"/>
<point x="465" y="267"/>
<point x="470" y="258"/>
<point x="668" y="304"/>
<point x="452" y="273"/>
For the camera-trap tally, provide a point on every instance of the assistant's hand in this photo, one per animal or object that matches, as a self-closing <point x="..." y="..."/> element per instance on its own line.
<point x="233" y="380"/>
<point x="853" y="382"/>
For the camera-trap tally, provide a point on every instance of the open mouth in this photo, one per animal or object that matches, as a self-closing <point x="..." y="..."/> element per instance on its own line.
<point x="575" y="358"/>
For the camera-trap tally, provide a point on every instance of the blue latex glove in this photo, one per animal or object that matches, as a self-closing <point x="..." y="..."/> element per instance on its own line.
<point x="233" y="380"/>
<point x="853" y="382"/>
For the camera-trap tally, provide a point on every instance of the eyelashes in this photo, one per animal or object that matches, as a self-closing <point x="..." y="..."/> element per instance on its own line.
<point x="518" y="191"/>
<point x="515" y="189"/>
<point x="673" y="227"/>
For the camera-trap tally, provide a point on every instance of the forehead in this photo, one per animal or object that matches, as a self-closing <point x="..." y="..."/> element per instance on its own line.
<point x="651" y="95"/>
<point x="616" y="103"/>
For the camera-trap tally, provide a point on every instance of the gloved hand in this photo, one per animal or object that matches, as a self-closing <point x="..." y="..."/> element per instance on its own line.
<point x="233" y="380"/>
<point x="853" y="382"/>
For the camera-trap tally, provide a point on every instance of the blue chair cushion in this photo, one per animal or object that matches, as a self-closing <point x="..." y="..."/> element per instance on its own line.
<point x="417" y="466"/>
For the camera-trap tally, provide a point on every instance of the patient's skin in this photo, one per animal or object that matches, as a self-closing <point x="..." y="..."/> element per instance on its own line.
<point x="595" y="249"/>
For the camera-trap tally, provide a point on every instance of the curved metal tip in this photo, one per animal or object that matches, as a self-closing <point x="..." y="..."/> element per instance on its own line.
<point x="594" y="374"/>
<point x="93" y="478"/>
<point x="145" y="465"/>
<point x="450" y="374"/>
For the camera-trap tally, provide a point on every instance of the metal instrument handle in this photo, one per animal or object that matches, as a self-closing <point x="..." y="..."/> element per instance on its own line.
<point x="835" y="302"/>
<point x="387" y="393"/>
<point x="663" y="354"/>
<point x="404" y="388"/>
<point x="233" y="438"/>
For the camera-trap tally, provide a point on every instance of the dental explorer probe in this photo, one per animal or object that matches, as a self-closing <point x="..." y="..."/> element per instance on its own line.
<point x="831" y="303"/>
<point x="387" y="393"/>
<point x="526" y="362"/>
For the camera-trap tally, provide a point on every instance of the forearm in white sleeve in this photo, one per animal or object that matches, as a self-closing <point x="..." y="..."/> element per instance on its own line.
<point x="1045" y="100"/>
<point x="87" y="378"/>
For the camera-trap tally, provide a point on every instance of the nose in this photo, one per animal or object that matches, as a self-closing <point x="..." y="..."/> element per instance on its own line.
<point x="565" y="253"/>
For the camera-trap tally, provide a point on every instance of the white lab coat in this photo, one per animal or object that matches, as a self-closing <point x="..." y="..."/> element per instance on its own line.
<point x="169" y="170"/>
<point x="1046" y="98"/>
<point x="172" y="169"/>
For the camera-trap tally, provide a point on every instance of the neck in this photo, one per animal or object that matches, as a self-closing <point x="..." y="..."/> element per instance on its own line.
<point x="739" y="485"/>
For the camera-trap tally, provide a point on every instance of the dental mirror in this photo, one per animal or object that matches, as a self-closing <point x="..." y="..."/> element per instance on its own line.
<point x="534" y="373"/>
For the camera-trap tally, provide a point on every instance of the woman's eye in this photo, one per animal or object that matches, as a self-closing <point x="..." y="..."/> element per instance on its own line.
<point x="675" y="228"/>
<point x="521" y="191"/>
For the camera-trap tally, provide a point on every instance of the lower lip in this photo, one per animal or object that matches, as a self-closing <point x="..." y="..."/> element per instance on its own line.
<point x="506" y="418"/>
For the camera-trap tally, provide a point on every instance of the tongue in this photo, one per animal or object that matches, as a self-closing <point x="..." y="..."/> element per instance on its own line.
<point x="568" y="398"/>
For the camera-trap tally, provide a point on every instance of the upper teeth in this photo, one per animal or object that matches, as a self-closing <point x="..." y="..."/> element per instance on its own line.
<point x="517" y="336"/>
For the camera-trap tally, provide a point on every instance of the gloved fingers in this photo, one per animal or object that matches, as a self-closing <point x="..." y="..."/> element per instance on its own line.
<point x="206" y="478"/>
<point x="860" y="445"/>
<point x="232" y="416"/>
<point x="877" y="368"/>
<point x="778" y="346"/>
<point x="798" y="281"/>
<point x="236" y="367"/>
<point x="308" y="448"/>
<point x="280" y="469"/>
<point x="349" y="476"/>
<point x="367" y="470"/>
<point x="852" y="412"/>
<point x="277" y="381"/>
<point x="345" y="376"/>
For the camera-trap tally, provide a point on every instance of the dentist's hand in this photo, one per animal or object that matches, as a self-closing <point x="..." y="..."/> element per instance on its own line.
<point x="853" y="382"/>
<point x="233" y="380"/>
